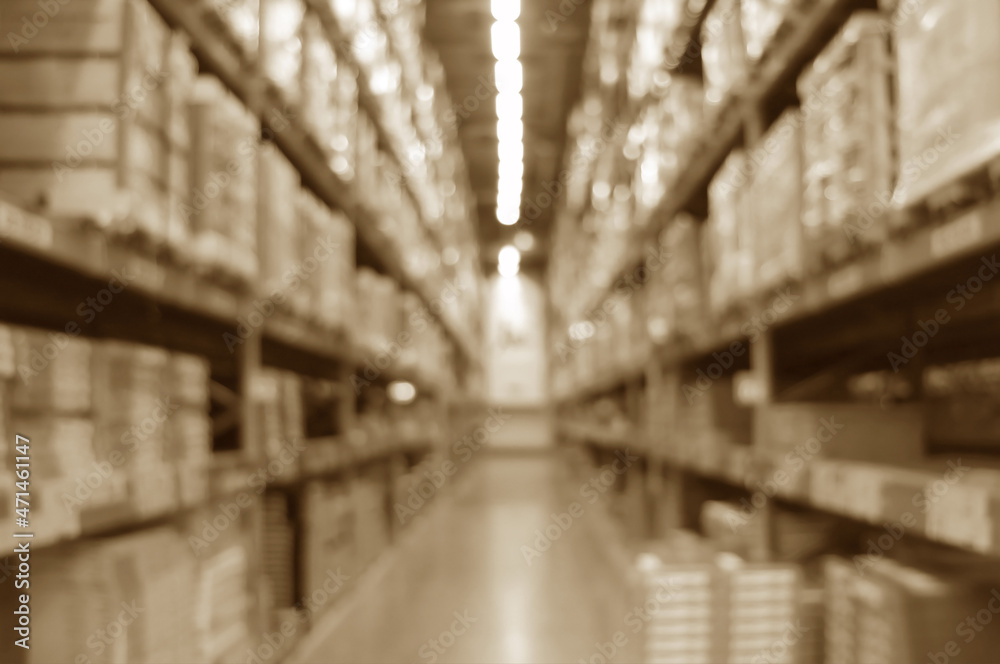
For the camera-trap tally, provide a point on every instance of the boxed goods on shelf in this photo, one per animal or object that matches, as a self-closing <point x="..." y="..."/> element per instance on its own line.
<point x="281" y="44"/>
<point x="884" y="612"/>
<point x="949" y="125"/>
<point x="328" y="534"/>
<point x="279" y="407"/>
<point x="379" y="309"/>
<point x="318" y="81"/>
<point x="126" y="599"/>
<point x="775" y="206"/>
<point x="242" y="19"/>
<point x="223" y="203"/>
<point x="727" y="236"/>
<point x="724" y="610"/>
<point x="371" y="519"/>
<point x="761" y="20"/>
<point x="53" y="371"/>
<point x="222" y="602"/>
<point x="859" y="432"/>
<point x="280" y="230"/>
<point x="675" y="296"/>
<point x="181" y="78"/>
<point x="962" y="405"/>
<point x="848" y="143"/>
<point x="277" y="543"/>
<point x="723" y="52"/>
<point x="98" y="152"/>
<point x="337" y="273"/>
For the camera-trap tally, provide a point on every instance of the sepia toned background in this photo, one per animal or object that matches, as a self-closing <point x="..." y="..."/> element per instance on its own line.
<point x="635" y="331"/>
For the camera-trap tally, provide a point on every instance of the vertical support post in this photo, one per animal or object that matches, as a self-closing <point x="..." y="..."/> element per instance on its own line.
<point x="762" y="367"/>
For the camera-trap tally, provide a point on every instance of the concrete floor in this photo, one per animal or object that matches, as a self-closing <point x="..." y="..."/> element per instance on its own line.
<point x="461" y="591"/>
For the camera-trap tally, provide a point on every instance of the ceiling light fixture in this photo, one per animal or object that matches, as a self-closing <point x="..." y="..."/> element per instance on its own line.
<point x="505" y="10"/>
<point x="506" y="38"/>
<point x="508" y="261"/>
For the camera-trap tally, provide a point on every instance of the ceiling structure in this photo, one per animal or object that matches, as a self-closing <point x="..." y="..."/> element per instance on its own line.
<point x="553" y="41"/>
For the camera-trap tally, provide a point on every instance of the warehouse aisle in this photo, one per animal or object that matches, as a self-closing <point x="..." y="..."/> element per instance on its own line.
<point x="463" y="591"/>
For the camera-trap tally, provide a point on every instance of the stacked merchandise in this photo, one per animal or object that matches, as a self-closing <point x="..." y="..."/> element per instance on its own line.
<point x="51" y="400"/>
<point x="675" y="296"/>
<point x="84" y="122"/>
<point x="277" y="544"/>
<point x="962" y="405"/>
<point x="181" y="77"/>
<point x="129" y="428"/>
<point x="883" y="612"/>
<point x="761" y="20"/>
<point x="955" y="119"/>
<point x="281" y="45"/>
<point x="723" y="53"/>
<point x="727" y="241"/>
<point x="379" y="319"/>
<point x="371" y="530"/>
<point x="328" y="534"/>
<point x="847" y="134"/>
<point x="130" y="418"/>
<point x="189" y="429"/>
<point x="222" y="210"/>
<point x="709" y="422"/>
<point x="241" y="19"/>
<point x="222" y="603"/>
<point x="126" y="599"/>
<point x="280" y="411"/>
<point x="775" y="205"/>
<point x="720" y="611"/>
<point x="281" y="230"/>
<point x="655" y="25"/>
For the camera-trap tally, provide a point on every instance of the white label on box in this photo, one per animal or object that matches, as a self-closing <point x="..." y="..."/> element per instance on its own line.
<point x="956" y="235"/>
<point x="28" y="229"/>
<point x="960" y="516"/>
<point x="845" y="282"/>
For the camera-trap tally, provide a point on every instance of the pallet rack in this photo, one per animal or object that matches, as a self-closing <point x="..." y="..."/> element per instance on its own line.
<point x="48" y="268"/>
<point x="848" y="317"/>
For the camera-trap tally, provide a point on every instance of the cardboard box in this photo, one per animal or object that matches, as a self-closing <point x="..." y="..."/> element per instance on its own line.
<point x="859" y="432"/>
<point x="98" y="70"/>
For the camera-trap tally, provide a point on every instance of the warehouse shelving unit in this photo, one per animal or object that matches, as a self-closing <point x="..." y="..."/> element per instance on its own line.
<point x="845" y="318"/>
<point x="49" y="267"/>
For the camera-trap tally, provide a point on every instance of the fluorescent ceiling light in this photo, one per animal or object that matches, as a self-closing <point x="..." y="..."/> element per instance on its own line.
<point x="506" y="40"/>
<point x="505" y="10"/>
<point x="509" y="76"/>
<point x="510" y="106"/>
